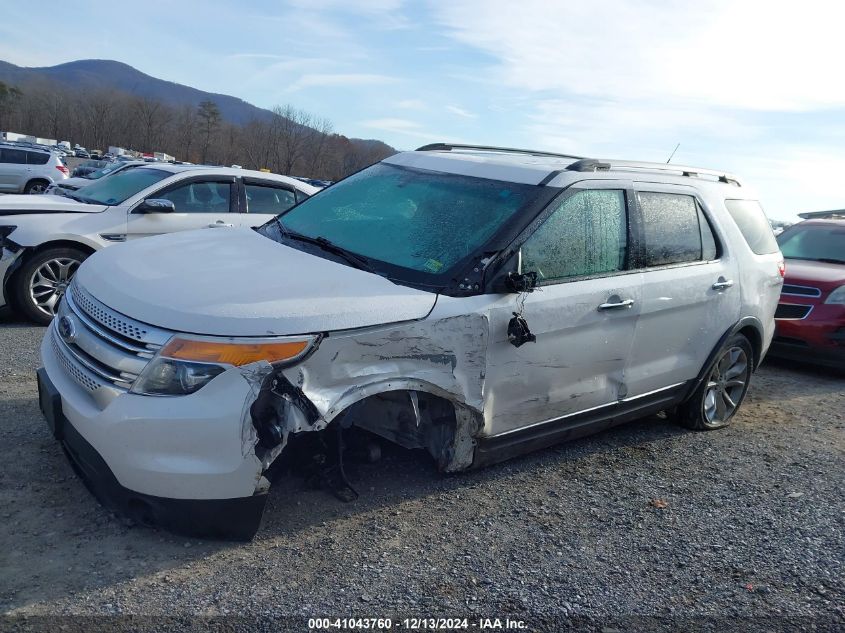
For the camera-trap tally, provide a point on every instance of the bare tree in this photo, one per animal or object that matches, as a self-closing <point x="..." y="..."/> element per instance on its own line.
<point x="209" y="115"/>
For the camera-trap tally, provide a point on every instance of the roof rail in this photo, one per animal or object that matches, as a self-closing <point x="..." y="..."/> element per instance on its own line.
<point x="815" y="215"/>
<point x="448" y="147"/>
<point x="682" y="170"/>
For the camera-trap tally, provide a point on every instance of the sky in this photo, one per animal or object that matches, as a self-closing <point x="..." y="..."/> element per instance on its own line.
<point x="751" y="87"/>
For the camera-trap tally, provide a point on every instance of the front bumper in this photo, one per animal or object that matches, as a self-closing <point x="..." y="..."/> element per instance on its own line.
<point x="181" y="463"/>
<point x="818" y="339"/>
<point x="7" y="260"/>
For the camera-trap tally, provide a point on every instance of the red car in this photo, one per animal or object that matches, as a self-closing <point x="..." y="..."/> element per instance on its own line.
<point x="810" y="316"/>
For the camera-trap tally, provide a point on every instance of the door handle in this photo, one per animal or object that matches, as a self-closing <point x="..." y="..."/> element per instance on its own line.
<point x="627" y="303"/>
<point x="722" y="284"/>
<point x="218" y="224"/>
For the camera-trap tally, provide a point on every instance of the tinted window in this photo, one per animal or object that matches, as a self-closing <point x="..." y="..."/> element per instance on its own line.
<point x="37" y="158"/>
<point x="671" y="227"/>
<point x="585" y="235"/>
<point x="265" y="199"/>
<point x="814" y="242"/>
<point x="15" y="156"/>
<point x="420" y="220"/>
<point x="709" y="250"/>
<point x="121" y="186"/>
<point x="752" y="222"/>
<point x="198" y="197"/>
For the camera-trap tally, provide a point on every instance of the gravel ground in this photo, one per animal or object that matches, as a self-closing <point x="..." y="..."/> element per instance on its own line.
<point x="642" y="526"/>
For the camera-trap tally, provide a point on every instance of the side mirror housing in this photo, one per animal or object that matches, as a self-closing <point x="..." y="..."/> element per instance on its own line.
<point x="156" y="205"/>
<point x="514" y="282"/>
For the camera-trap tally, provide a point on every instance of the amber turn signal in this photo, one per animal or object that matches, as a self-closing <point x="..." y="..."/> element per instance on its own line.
<point x="233" y="353"/>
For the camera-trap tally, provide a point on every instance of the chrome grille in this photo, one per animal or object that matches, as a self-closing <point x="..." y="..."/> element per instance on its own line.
<point x="101" y="349"/>
<point x="109" y="318"/>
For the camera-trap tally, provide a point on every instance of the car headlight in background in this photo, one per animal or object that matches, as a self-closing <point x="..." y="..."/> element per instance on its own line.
<point x="186" y="364"/>
<point x="837" y="296"/>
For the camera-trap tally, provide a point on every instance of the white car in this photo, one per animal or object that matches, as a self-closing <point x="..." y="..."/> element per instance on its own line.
<point x="26" y="169"/>
<point x="44" y="239"/>
<point x="473" y="302"/>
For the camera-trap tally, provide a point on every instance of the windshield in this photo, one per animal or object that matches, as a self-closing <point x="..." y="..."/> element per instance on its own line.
<point x="121" y="186"/>
<point x="419" y="220"/>
<point x="815" y="242"/>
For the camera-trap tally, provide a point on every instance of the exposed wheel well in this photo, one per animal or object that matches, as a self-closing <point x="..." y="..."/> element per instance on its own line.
<point x="417" y="419"/>
<point x="31" y="252"/>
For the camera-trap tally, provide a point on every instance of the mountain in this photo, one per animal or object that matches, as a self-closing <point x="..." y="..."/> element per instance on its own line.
<point x="104" y="74"/>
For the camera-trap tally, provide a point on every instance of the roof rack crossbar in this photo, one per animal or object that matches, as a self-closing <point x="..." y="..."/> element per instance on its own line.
<point x="448" y="147"/>
<point x="692" y="172"/>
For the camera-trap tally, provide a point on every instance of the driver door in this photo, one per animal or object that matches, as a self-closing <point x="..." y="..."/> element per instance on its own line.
<point x="201" y="202"/>
<point x="583" y="313"/>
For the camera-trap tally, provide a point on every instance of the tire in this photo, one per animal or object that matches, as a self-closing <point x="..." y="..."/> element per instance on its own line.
<point x="718" y="398"/>
<point x="36" y="186"/>
<point x="42" y="281"/>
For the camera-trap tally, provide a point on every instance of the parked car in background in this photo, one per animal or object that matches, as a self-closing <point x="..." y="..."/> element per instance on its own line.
<point x="29" y="170"/>
<point x="72" y="184"/>
<point x="81" y="153"/>
<point x="87" y="168"/>
<point x="401" y="301"/>
<point x="46" y="240"/>
<point x="811" y="314"/>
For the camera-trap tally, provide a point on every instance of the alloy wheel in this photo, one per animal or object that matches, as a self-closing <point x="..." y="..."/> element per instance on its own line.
<point x="50" y="281"/>
<point x="725" y="386"/>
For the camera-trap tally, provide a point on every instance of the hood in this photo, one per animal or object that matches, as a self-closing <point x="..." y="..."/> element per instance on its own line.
<point x="74" y="183"/>
<point x="803" y="272"/>
<point x="235" y="282"/>
<point x="25" y="204"/>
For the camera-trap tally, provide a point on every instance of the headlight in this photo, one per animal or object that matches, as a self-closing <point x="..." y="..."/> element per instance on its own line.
<point x="837" y="296"/>
<point x="185" y="364"/>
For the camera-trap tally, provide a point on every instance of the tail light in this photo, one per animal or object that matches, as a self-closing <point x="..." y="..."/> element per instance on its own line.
<point x="62" y="169"/>
<point x="782" y="268"/>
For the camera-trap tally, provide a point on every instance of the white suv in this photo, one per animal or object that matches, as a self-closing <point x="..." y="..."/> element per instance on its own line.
<point x="43" y="239"/>
<point x="29" y="170"/>
<point x="473" y="302"/>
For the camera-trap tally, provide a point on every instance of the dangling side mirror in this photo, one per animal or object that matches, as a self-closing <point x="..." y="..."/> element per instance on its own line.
<point x="521" y="282"/>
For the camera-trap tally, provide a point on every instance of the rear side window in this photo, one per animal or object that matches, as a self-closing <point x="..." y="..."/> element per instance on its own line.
<point x="752" y="222"/>
<point x="37" y="158"/>
<point x="13" y="156"/>
<point x="675" y="229"/>
<point x="586" y="235"/>
<point x="265" y="199"/>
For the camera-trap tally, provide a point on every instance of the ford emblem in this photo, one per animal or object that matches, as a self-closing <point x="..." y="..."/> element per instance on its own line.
<point x="67" y="329"/>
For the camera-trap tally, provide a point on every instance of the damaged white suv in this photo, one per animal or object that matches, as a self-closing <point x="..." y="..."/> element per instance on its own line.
<point x="474" y="302"/>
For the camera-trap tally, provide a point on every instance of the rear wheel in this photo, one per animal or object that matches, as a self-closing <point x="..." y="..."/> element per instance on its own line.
<point x="719" y="396"/>
<point x="36" y="186"/>
<point x="42" y="281"/>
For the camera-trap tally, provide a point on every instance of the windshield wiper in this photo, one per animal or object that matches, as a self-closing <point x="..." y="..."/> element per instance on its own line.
<point x="356" y="260"/>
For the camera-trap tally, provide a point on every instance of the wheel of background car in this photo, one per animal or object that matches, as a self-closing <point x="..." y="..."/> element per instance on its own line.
<point x="723" y="389"/>
<point x="36" y="186"/>
<point x="42" y="281"/>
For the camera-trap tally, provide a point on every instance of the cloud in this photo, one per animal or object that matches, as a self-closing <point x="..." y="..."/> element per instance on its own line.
<point x="331" y="80"/>
<point x="745" y="54"/>
<point x="404" y="127"/>
<point x="460" y="112"/>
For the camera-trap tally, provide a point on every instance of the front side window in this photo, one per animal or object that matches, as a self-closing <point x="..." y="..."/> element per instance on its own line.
<point x="120" y="187"/>
<point x="420" y="220"/>
<point x="586" y="235"/>
<point x="815" y="242"/>
<point x="267" y="199"/>
<point x="675" y="230"/>
<point x="199" y="197"/>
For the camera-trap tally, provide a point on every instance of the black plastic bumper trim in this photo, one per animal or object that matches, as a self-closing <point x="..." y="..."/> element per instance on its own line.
<point x="230" y="519"/>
